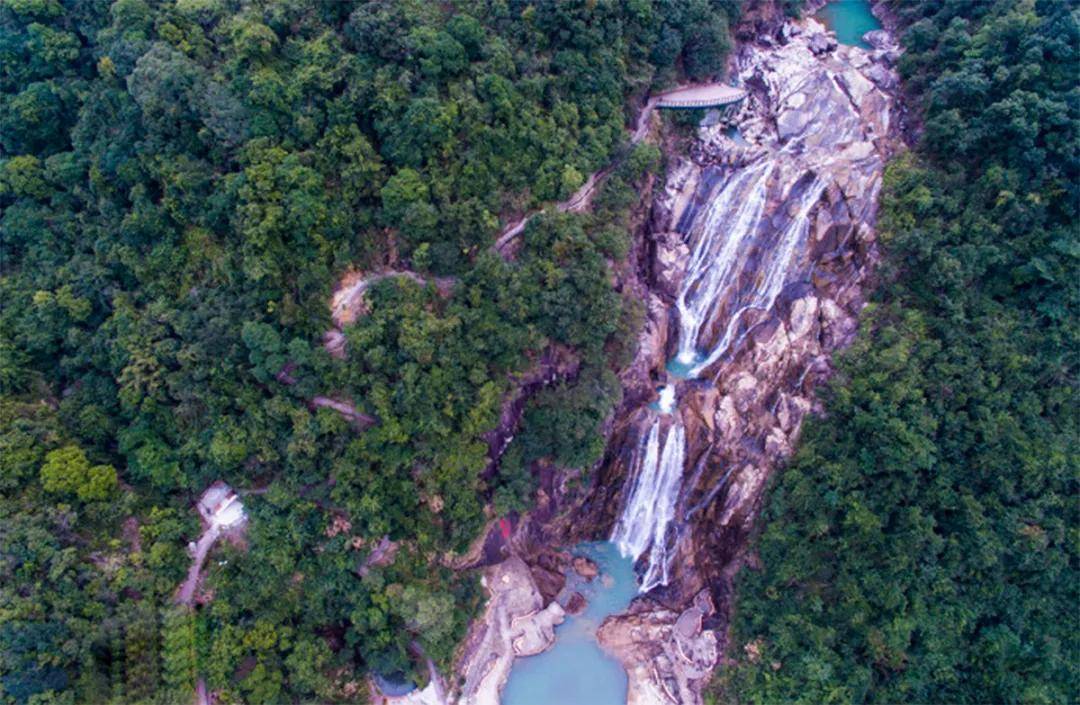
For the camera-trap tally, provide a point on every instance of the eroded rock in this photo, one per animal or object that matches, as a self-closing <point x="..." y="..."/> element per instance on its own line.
<point x="667" y="654"/>
<point x="818" y="127"/>
<point x="515" y="623"/>
<point x="585" y="567"/>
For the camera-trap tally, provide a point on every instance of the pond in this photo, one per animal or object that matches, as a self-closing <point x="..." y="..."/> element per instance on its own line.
<point x="395" y="685"/>
<point x="684" y="368"/>
<point x="850" y="19"/>
<point x="576" y="671"/>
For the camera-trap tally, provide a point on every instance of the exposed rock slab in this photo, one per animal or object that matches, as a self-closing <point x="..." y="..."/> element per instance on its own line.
<point x="819" y="125"/>
<point x="668" y="656"/>
<point x="515" y="623"/>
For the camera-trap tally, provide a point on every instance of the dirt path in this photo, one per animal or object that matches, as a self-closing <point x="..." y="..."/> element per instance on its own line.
<point x="223" y="511"/>
<point x="347" y="303"/>
<point x="581" y="198"/>
<point x="186" y="594"/>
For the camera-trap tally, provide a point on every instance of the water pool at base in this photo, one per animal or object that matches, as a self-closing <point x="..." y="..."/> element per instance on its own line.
<point x="682" y="370"/>
<point x="394" y="686"/>
<point x="850" y="19"/>
<point x="576" y="671"/>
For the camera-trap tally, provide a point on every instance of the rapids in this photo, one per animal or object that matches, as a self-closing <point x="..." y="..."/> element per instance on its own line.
<point x="650" y="507"/>
<point x="747" y="227"/>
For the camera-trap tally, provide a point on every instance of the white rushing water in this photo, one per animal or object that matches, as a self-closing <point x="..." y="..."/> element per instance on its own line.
<point x="666" y="404"/>
<point x="716" y="261"/>
<point x="747" y="242"/>
<point x="727" y="251"/>
<point x="650" y="507"/>
<point x="738" y="263"/>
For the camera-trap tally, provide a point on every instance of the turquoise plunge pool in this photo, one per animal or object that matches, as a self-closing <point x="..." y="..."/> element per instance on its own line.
<point x="576" y="671"/>
<point x="850" y="19"/>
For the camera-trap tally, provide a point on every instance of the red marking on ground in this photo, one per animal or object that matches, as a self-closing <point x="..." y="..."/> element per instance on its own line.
<point x="504" y="526"/>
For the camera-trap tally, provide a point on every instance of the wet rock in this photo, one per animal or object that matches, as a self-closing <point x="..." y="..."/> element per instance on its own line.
<point x="672" y="255"/>
<point x="878" y="39"/>
<point x="550" y="583"/>
<point x="776" y="443"/>
<point x="802" y="317"/>
<point x="882" y="77"/>
<point x="515" y="623"/>
<point x="585" y="567"/>
<point x="667" y="655"/>
<point x="790" y="411"/>
<point x="576" y="603"/>
<point x="554" y="561"/>
<point x="699" y="410"/>
<point x="856" y="85"/>
<point x="660" y="217"/>
<point x="791" y="123"/>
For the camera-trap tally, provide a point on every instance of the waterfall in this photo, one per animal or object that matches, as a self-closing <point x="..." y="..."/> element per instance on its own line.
<point x="666" y="404"/>
<point x="724" y="252"/>
<point x="726" y="249"/>
<point x="650" y="507"/>
<point x="716" y="261"/>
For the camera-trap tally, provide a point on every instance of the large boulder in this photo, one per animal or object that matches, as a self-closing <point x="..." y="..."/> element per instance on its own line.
<point x="672" y="255"/>
<point x="550" y="583"/>
<point x="822" y="43"/>
<point x="879" y="39"/>
<point x="585" y="567"/>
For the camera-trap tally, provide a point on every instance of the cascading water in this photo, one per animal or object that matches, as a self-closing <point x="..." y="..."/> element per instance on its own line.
<point x="716" y="261"/>
<point x="650" y="506"/>
<point x="747" y="242"/>
<point x="745" y="212"/>
<point x="725" y="248"/>
<point x="771" y="274"/>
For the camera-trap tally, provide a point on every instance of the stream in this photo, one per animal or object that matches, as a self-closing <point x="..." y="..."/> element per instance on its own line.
<point x="747" y="231"/>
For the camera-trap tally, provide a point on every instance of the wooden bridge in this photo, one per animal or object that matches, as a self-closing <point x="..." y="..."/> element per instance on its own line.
<point x="713" y="95"/>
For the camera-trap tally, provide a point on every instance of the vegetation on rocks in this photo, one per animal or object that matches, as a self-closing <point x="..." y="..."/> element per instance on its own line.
<point x="181" y="184"/>
<point x="922" y="544"/>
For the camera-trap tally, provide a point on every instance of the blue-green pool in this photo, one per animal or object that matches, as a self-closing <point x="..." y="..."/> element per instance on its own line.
<point x="575" y="671"/>
<point x="850" y="19"/>
<point x="680" y="369"/>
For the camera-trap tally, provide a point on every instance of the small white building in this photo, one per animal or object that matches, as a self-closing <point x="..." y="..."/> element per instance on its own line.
<point x="220" y="506"/>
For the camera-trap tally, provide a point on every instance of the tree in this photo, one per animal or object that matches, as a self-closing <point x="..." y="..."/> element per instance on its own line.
<point x="67" y="471"/>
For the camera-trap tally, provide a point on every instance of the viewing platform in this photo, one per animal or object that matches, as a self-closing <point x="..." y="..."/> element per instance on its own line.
<point x="713" y="95"/>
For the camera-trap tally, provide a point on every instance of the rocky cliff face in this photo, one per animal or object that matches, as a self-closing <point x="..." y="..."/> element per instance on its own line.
<point x="751" y="261"/>
<point x="803" y="183"/>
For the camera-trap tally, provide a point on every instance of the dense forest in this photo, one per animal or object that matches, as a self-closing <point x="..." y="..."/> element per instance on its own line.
<point x="182" y="184"/>
<point x="921" y="547"/>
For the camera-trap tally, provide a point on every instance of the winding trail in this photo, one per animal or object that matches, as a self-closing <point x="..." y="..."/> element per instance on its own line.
<point x="222" y="510"/>
<point x="347" y="303"/>
<point x="692" y="96"/>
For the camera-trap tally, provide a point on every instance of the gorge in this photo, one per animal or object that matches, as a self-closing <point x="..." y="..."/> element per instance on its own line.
<point x="539" y="353"/>
<point x="753" y="259"/>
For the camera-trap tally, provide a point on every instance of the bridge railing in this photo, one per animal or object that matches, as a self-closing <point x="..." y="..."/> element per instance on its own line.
<point x="700" y="103"/>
